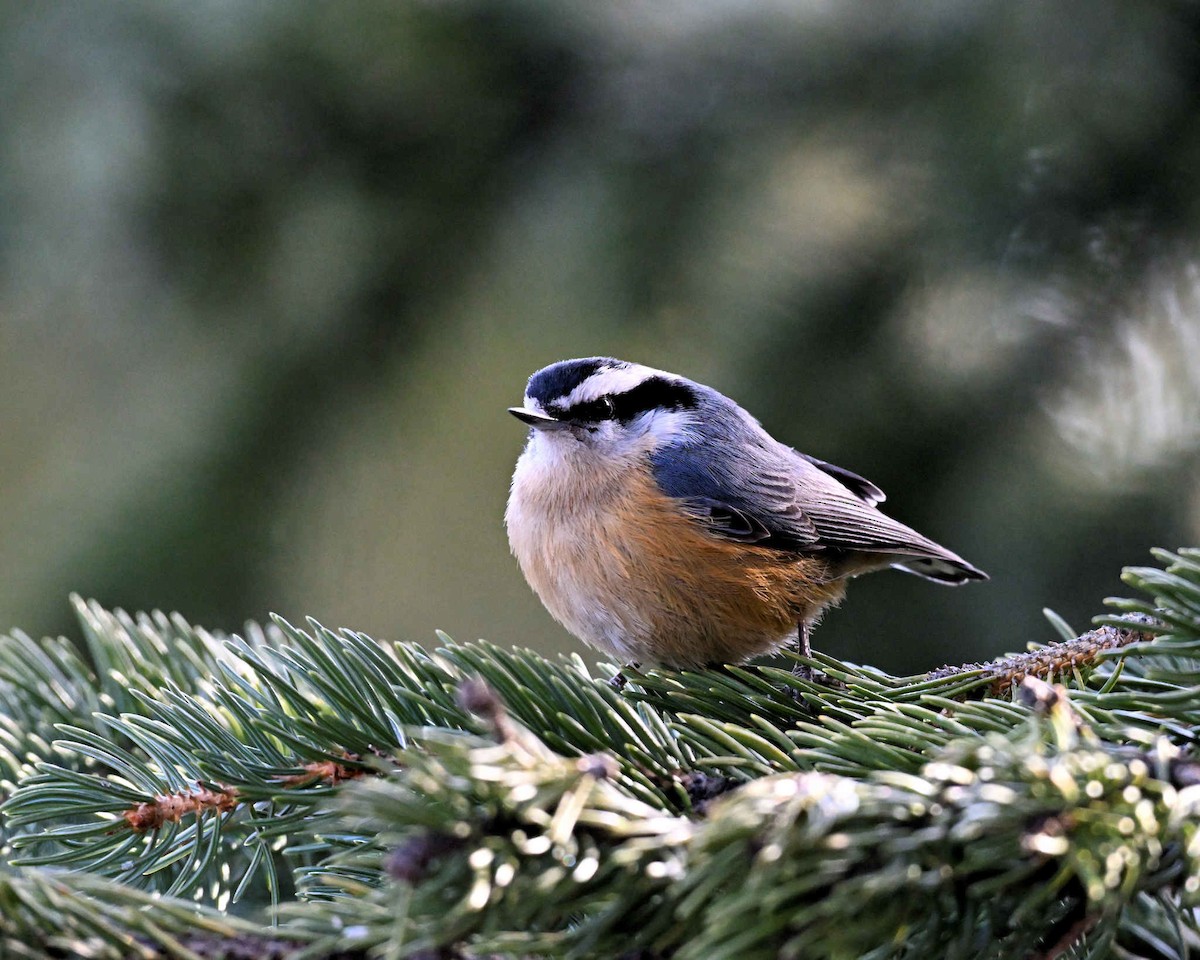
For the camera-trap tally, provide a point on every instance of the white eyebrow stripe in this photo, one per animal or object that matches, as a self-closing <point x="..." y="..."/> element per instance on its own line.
<point x="612" y="380"/>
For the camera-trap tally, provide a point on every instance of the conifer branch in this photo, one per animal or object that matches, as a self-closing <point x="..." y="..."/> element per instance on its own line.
<point x="173" y="807"/>
<point x="1000" y="677"/>
<point x="50" y="914"/>
<point x="473" y="800"/>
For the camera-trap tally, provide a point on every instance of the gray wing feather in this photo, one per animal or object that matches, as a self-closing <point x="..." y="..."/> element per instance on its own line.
<point x="743" y="486"/>
<point x="861" y="487"/>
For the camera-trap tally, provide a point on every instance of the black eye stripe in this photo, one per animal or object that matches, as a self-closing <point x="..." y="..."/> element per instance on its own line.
<point x="657" y="392"/>
<point x="654" y="393"/>
<point x="591" y="412"/>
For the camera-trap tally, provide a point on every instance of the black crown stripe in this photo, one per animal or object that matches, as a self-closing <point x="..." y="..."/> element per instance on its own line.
<point x="559" y="379"/>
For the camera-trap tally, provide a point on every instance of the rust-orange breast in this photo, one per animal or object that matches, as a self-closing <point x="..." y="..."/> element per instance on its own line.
<point x="621" y="567"/>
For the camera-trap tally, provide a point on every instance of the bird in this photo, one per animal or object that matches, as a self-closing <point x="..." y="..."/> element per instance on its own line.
<point x="660" y="523"/>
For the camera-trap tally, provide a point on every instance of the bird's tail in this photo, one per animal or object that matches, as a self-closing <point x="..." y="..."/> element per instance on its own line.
<point x="950" y="569"/>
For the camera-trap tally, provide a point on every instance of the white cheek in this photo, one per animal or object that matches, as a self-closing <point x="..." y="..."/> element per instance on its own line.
<point x="560" y="459"/>
<point x="551" y="451"/>
<point x="566" y="455"/>
<point x="646" y="433"/>
<point x="670" y="426"/>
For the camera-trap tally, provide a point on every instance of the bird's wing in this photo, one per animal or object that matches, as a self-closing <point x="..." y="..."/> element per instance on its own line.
<point x="861" y="487"/>
<point x="763" y="492"/>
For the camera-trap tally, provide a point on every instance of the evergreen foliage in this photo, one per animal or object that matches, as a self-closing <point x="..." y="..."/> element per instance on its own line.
<point x="165" y="786"/>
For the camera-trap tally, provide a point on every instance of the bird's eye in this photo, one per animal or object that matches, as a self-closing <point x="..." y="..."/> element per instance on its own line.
<point x="594" y="411"/>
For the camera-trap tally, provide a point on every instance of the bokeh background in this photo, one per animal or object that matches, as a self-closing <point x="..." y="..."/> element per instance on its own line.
<point x="271" y="272"/>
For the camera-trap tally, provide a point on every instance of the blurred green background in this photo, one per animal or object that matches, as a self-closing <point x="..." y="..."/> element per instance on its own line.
<point x="270" y="274"/>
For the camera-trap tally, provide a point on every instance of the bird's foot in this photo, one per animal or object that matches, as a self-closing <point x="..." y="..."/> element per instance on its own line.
<point x="804" y="648"/>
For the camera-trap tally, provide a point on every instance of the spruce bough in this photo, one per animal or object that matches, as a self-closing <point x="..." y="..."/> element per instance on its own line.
<point x="310" y="793"/>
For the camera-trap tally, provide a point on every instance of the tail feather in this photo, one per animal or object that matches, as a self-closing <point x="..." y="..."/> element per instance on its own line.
<point x="941" y="569"/>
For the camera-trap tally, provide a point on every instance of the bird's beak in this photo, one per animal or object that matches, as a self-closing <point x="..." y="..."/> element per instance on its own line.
<point x="537" y="420"/>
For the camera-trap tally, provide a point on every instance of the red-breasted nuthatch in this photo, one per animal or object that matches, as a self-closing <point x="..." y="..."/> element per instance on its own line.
<point x="658" y="521"/>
